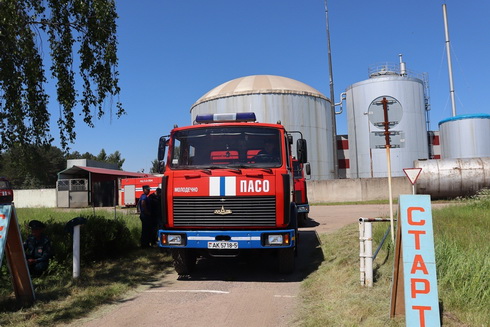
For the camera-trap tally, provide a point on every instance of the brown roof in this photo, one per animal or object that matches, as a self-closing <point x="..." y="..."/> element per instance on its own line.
<point x="76" y="169"/>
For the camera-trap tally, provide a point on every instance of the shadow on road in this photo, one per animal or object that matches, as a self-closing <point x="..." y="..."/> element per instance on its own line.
<point x="310" y="223"/>
<point x="261" y="267"/>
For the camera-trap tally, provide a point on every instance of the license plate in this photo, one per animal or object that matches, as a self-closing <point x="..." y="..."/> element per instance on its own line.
<point x="222" y="245"/>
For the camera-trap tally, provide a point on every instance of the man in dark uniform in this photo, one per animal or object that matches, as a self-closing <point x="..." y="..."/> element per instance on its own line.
<point x="144" y="207"/>
<point x="37" y="248"/>
<point x="156" y="214"/>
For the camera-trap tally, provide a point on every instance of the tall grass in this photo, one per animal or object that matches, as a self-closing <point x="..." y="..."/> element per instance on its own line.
<point x="462" y="244"/>
<point x="333" y="296"/>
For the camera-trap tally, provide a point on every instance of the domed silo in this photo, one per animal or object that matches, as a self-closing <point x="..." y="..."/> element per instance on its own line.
<point x="465" y="136"/>
<point x="403" y="95"/>
<point x="298" y="106"/>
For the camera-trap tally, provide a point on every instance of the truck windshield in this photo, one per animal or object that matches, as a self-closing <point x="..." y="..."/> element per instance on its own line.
<point x="226" y="147"/>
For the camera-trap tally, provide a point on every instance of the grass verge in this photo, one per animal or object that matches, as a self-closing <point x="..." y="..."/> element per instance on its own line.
<point x="60" y="299"/>
<point x="333" y="296"/>
<point x="104" y="279"/>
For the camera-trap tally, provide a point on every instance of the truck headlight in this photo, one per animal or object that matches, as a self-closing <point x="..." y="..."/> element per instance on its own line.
<point x="174" y="239"/>
<point x="171" y="239"/>
<point x="274" y="239"/>
<point x="282" y="239"/>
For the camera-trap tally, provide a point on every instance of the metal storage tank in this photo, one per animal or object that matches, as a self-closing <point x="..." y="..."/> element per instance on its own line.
<point x="298" y="106"/>
<point x="407" y="112"/>
<point x="465" y="136"/>
<point x="449" y="178"/>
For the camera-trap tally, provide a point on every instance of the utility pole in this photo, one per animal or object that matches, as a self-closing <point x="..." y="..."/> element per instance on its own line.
<point x="386" y="124"/>
<point x="332" y="97"/>
<point x="449" y="62"/>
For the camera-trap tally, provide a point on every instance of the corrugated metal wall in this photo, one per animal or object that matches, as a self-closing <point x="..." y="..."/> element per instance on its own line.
<point x="406" y="112"/>
<point x="309" y="114"/>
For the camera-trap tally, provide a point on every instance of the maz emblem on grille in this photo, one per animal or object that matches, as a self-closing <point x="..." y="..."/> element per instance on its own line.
<point x="223" y="212"/>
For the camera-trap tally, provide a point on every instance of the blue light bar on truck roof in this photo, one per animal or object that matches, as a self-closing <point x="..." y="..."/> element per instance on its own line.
<point x="227" y="117"/>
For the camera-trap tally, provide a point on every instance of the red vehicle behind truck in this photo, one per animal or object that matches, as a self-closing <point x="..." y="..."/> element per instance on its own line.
<point x="227" y="189"/>
<point x="132" y="188"/>
<point x="6" y="192"/>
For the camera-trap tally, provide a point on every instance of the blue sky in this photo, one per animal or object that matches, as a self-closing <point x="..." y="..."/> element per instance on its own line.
<point x="173" y="52"/>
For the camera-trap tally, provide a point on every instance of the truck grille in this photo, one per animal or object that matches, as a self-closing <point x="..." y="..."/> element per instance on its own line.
<point x="245" y="211"/>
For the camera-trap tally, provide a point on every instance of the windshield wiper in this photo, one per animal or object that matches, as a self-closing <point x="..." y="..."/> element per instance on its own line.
<point x="239" y="167"/>
<point x="238" y="170"/>
<point x="208" y="169"/>
<point x="269" y="170"/>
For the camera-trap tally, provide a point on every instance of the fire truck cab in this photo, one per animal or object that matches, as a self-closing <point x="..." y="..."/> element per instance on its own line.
<point x="227" y="188"/>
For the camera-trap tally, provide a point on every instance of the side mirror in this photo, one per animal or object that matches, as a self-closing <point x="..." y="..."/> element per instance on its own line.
<point x="307" y="169"/>
<point x="301" y="151"/>
<point x="162" y="144"/>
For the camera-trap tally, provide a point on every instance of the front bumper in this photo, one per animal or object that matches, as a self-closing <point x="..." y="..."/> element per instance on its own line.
<point x="244" y="239"/>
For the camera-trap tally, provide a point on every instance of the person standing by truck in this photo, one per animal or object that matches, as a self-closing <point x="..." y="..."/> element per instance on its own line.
<point x="155" y="200"/>
<point x="146" y="218"/>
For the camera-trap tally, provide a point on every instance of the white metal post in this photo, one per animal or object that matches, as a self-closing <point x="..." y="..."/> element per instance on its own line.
<point x="76" y="251"/>
<point x="361" y="252"/>
<point x="368" y="250"/>
<point x="390" y="193"/>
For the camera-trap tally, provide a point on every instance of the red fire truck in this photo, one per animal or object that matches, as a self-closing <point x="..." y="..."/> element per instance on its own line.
<point x="300" y="190"/>
<point x="6" y="192"/>
<point x="132" y="188"/>
<point x="227" y="188"/>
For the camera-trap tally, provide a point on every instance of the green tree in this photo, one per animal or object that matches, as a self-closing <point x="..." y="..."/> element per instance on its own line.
<point x="102" y="156"/>
<point x="116" y="158"/>
<point x="90" y="24"/>
<point x="31" y="166"/>
<point x="155" y="167"/>
<point x="78" y="155"/>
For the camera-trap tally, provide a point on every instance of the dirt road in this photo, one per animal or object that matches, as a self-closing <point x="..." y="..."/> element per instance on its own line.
<point x="231" y="292"/>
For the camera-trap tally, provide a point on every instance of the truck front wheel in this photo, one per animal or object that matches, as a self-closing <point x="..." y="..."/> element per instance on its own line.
<point x="184" y="261"/>
<point x="286" y="260"/>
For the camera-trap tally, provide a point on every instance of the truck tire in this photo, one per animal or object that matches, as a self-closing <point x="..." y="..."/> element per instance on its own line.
<point x="286" y="259"/>
<point x="184" y="261"/>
